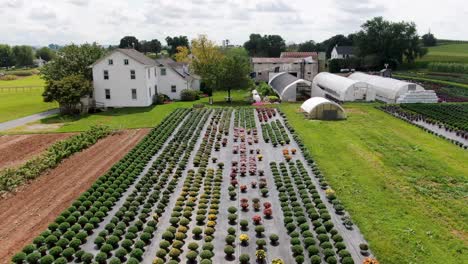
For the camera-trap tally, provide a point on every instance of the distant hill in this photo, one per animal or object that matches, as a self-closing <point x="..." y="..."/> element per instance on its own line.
<point x="448" y="52"/>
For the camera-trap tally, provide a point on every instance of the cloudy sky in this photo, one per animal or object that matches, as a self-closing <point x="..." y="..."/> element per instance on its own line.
<point x="64" y="21"/>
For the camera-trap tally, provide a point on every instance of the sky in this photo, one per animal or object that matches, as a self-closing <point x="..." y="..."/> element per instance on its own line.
<point x="33" y="22"/>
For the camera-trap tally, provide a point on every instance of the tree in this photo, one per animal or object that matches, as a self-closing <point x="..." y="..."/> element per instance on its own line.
<point x="206" y="62"/>
<point x="235" y="71"/>
<point x="429" y="40"/>
<point x="23" y="55"/>
<point x="182" y="54"/>
<point x="45" y="54"/>
<point x="390" y="42"/>
<point x="307" y="46"/>
<point x="67" y="91"/>
<point x="265" y="46"/>
<point x="7" y="58"/>
<point x="152" y="46"/>
<point x="72" y="60"/>
<point x="128" y="42"/>
<point x="174" y="42"/>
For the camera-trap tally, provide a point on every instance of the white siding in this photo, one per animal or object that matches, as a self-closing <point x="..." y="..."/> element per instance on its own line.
<point x="171" y="78"/>
<point x="120" y="83"/>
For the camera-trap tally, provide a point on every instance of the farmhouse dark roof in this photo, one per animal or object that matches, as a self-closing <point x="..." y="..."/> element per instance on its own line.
<point x="345" y="50"/>
<point x="298" y="54"/>
<point x="138" y="56"/>
<point x="180" y="68"/>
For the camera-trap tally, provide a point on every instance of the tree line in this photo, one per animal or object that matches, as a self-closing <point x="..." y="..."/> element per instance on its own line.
<point x="22" y="55"/>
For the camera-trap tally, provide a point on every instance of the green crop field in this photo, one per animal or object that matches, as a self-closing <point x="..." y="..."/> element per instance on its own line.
<point x="447" y="53"/>
<point x="405" y="188"/>
<point x="132" y="117"/>
<point x="17" y="103"/>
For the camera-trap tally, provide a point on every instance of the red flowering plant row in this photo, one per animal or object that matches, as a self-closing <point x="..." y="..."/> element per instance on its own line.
<point x="264" y="114"/>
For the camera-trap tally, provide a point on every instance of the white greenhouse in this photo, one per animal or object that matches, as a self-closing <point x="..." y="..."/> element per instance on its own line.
<point x="387" y="89"/>
<point x="323" y="109"/>
<point x="290" y="88"/>
<point x="339" y="88"/>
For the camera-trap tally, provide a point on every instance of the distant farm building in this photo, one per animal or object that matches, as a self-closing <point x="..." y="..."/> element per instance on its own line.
<point x="342" y="89"/>
<point x="323" y="109"/>
<point x="342" y="52"/>
<point x="301" y="67"/>
<point x="391" y="90"/>
<point x="289" y="87"/>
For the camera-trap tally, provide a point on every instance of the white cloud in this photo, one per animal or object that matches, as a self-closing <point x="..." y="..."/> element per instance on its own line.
<point x="53" y="21"/>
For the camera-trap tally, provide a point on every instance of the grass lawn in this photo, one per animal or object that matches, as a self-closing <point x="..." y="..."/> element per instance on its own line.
<point x="17" y="104"/>
<point x="133" y="117"/>
<point x="447" y="53"/>
<point x="406" y="189"/>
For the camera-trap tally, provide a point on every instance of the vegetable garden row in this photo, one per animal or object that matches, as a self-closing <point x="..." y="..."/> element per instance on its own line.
<point x="203" y="188"/>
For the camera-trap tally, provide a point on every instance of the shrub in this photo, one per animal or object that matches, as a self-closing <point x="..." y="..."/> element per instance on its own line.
<point x="297" y="250"/>
<point x="174" y="253"/>
<point x="192" y="255"/>
<point x="61" y="260"/>
<point x="193" y="246"/>
<point x="188" y="95"/>
<point x="55" y="251"/>
<point x="328" y="252"/>
<point x="347" y="260"/>
<point x="121" y="253"/>
<point x="19" y="257"/>
<point x="230" y="239"/>
<point x="261" y="243"/>
<point x="68" y="253"/>
<point x="206" y="254"/>
<point x="33" y="257"/>
<point x="47" y="259"/>
<point x="244" y="258"/>
<point x="229" y="250"/>
<point x="28" y="249"/>
<point x="274" y="238"/>
<point x="115" y="261"/>
<point x="87" y="258"/>
<point x="101" y="257"/>
<point x="331" y="260"/>
<point x="315" y="260"/>
<point x="312" y="250"/>
<point x="106" y="248"/>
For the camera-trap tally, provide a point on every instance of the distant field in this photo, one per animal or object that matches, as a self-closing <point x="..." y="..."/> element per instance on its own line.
<point x="406" y="189"/>
<point x="447" y="53"/>
<point x="19" y="103"/>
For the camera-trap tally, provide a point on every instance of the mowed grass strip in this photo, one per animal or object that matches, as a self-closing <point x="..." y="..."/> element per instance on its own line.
<point x="22" y="102"/>
<point x="404" y="188"/>
<point x="136" y="117"/>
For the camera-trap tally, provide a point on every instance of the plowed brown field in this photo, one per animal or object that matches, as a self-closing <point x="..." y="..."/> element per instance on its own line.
<point x="25" y="214"/>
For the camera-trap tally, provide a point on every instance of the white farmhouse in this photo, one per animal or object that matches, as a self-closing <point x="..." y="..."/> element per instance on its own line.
<point x="174" y="77"/>
<point x="124" y="78"/>
<point x="342" y="52"/>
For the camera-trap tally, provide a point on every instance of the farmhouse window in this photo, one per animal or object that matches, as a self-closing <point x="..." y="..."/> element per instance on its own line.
<point x="259" y="73"/>
<point x="111" y="62"/>
<point x="163" y="71"/>
<point x="173" y="89"/>
<point x="126" y="61"/>
<point x="107" y="94"/>
<point x="134" y="94"/>
<point x="132" y="74"/>
<point x="106" y="75"/>
<point x="155" y="72"/>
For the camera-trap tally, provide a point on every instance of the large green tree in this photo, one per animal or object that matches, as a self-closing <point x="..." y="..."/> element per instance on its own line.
<point x="265" y="46"/>
<point x="307" y="46"/>
<point x="128" y="42"/>
<point x="177" y="41"/>
<point x="45" y="54"/>
<point x="390" y="42"/>
<point x="7" y="58"/>
<point x="234" y="73"/>
<point x="24" y="55"/>
<point x="67" y="92"/>
<point x="429" y="40"/>
<point x="152" y="46"/>
<point x="72" y="60"/>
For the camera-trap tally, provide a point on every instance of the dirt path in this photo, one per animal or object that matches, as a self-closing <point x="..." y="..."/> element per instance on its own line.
<point x="27" y="213"/>
<point x="17" y="149"/>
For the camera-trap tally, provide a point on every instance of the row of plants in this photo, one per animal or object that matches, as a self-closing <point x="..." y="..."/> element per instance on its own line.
<point x="346" y="219"/>
<point x="265" y="114"/>
<point x="134" y="223"/>
<point x="275" y="133"/>
<point x="245" y="118"/>
<point x="408" y="114"/>
<point x="203" y="153"/>
<point x="454" y="116"/>
<point x="11" y="178"/>
<point x="64" y="237"/>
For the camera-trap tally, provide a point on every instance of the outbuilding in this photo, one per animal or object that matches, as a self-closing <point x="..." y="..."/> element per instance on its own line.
<point x="386" y="89"/>
<point x="323" y="109"/>
<point x="290" y="88"/>
<point x="342" y="89"/>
